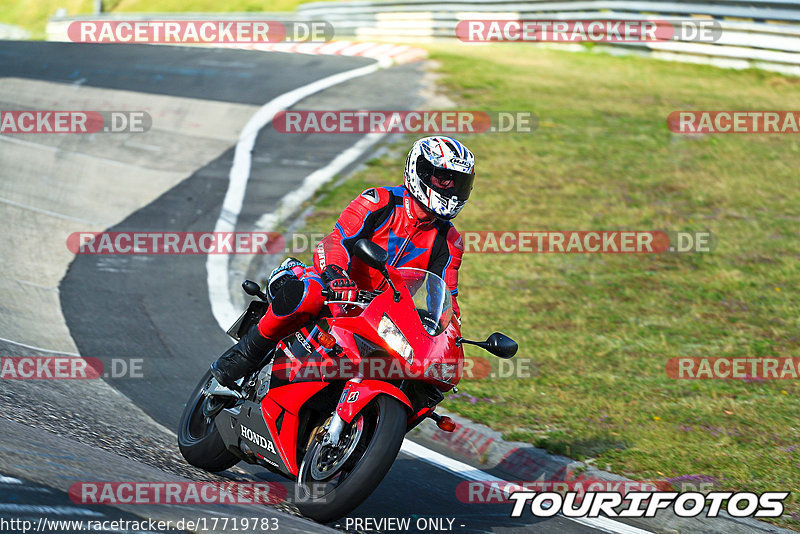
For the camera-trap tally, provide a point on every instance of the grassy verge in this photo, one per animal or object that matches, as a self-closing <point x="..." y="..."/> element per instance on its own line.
<point x="600" y="328"/>
<point x="34" y="14"/>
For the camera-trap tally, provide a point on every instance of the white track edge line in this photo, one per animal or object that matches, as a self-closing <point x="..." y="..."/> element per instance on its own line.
<point x="217" y="264"/>
<point x="468" y="472"/>
<point x="39" y="349"/>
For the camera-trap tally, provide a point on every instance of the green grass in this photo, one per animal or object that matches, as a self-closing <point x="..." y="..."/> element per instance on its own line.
<point x="600" y="328"/>
<point x="33" y="14"/>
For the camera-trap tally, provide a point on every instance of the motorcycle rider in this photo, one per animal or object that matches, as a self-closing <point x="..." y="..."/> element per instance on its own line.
<point x="412" y="222"/>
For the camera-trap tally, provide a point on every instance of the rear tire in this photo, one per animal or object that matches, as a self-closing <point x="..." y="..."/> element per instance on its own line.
<point x="198" y="439"/>
<point x="365" y="471"/>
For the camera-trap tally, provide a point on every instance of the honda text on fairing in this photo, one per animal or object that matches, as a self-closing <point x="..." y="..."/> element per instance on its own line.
<point x="317" y="410"/>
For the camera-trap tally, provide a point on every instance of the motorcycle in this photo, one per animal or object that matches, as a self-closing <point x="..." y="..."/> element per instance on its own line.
<point x="330" y="406"/>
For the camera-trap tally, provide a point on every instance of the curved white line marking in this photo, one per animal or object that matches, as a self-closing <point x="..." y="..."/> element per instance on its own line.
<point x="217" y="264"/>
<point x="467" y="472"/>
<point x="39" y="349"/>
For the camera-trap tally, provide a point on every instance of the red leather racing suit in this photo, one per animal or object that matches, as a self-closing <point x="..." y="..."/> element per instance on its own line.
<point x="384" y="215"/>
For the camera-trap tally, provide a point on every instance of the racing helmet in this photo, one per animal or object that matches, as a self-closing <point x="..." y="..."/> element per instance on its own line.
<point x="439" y="173"/>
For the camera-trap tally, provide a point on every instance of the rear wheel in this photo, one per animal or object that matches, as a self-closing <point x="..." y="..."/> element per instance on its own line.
<point x="334" y="480"/>
<point x="198" y="438"/>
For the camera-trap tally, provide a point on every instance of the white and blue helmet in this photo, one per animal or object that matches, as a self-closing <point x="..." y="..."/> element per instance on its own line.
<point x="439" y="174"/>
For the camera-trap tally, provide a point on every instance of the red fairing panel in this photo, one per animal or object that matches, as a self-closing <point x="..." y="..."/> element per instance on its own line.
<point x="356" y="396"/>
<point x="289" y="398"/>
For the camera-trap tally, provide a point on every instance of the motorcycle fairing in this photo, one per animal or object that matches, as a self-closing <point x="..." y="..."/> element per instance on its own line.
<point x="246" y="426"/>
<point x="300" y="357"/>
<point x="442" y="365"/>
<point x="356" y="396"/>
<point x="282" y="405"/>
<point x="277" y="418"/>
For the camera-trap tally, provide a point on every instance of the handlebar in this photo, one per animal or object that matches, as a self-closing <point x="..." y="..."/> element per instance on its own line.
<point x="328" y="293"/>
<point x="362" y="297"/>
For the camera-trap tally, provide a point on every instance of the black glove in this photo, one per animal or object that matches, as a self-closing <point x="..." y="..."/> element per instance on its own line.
<point x="339" y="282"/>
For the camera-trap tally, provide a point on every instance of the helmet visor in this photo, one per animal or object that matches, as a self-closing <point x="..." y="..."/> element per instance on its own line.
<point x="446" y="182"/>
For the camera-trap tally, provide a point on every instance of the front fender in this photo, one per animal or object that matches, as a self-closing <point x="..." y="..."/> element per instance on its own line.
<point x="356" y="395"/>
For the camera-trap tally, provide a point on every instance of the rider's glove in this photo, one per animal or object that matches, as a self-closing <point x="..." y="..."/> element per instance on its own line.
<point x="337" y="281"/>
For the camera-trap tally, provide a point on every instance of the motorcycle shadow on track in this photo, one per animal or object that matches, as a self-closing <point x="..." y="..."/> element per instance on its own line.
<point x="414" y="491"/>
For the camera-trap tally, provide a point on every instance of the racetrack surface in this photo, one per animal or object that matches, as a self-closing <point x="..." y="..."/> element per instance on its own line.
<point x="156" y="307"/>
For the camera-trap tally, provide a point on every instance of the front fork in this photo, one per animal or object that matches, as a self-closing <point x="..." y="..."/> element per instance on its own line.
<point x="336" y="426"/>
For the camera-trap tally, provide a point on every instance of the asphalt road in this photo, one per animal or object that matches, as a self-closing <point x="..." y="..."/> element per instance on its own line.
<point x="26" y="503"/>
<point x="156" y="307"/>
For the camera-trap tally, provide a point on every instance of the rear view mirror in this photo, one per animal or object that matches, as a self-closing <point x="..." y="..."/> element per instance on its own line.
<point x="501" y="345"/>
<point x="371" y="254"/>
<point x="374" y="256"/>
<point x="253" y="289"/>
<point x="498" y="344"/>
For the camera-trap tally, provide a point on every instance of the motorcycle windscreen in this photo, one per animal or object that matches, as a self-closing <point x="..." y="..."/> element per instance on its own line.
<point x="432" y="298"/>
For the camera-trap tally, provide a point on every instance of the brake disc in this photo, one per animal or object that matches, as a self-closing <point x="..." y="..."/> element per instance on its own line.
<point x="328" y="459"/>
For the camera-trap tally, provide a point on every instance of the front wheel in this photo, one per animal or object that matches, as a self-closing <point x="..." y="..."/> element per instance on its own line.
<point x="198" y="438"/>
<point x="333" y="481"/>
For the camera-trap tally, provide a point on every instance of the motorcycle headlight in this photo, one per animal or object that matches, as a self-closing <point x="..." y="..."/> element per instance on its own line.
<point x="395" y="338"/>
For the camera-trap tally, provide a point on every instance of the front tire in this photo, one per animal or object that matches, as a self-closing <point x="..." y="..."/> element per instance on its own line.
<point x="384" y="426"/>
<point x="198" y="438"/>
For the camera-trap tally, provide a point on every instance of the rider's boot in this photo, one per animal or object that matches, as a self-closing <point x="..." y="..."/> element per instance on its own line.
<point x="241" y="358"/>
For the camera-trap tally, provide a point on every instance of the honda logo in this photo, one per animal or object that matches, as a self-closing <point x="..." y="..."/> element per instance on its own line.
<point x="259" y="440"/>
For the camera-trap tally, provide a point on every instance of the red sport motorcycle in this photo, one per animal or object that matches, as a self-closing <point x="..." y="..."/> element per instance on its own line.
<point x="330" y="406"/>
